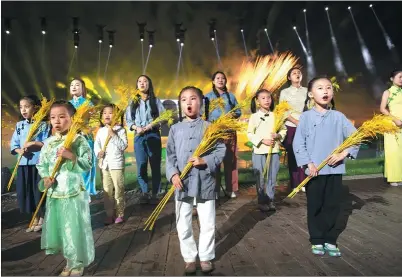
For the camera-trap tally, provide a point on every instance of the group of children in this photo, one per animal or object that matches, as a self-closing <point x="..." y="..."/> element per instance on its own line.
<point x="67" y="225"/>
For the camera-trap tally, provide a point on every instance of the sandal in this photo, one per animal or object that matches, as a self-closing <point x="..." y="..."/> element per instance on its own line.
<point x="77" y="272"/>
<point x="65" y="272"/>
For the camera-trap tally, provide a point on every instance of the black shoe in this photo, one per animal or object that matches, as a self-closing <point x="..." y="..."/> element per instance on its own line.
<point x="263" y="207"/>
<point x="154" y="200"/>
<point x="271" y="206"/>
<point x="144" y="199"/>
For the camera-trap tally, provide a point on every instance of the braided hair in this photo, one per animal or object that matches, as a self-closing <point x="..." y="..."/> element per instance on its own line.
<point x="217" y="94"/>
<point x="309" y="88"/>
<point x="253" y="106"/>
<point x="201" y="97"/>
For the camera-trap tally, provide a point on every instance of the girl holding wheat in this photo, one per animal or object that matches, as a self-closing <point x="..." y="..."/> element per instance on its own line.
<point x="320" y="130"/>
<point x="111" y="161"/>
<point x="147" y="142"/>
<point x="79" y="92"/>
<point x="67" y="228"/>
<point x="28" y="195"/>
<point x="261" y="134"/>
<point x="391" y="104"/>
<point x="199" y="186"/>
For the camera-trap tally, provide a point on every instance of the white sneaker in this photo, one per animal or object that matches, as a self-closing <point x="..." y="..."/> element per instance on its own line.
<point x="303" y="189"/>
<point x="394" y="184"/>
<point x="233" y="195"/>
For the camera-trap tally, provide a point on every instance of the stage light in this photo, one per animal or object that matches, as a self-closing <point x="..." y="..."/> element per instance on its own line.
<point x="100" y="41"/>
<point x="182" y="44"/>
<point x="142" y="39"/>
<point x="150" y="46"/>
<point x="43" y="32"/>
<point x="349" y="7"/>
<point x="212" y="39"/>
<point x="304" y="10"/>
<point x="110" y="45"/>
<point x="8" y="32"/>
<point x="178" y="40"/>
<point x="371" y="5"/>
<point x="75" y="46"/>
<point x="241" y="30"/>
<point x="294" y="27"/>
<point x="265" y="29"/>
<point x="326" y="8"/>
<point x="215" y="31"/>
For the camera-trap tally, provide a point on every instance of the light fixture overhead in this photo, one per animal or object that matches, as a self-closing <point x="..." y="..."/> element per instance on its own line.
<point x="294" y="27"/>
<point x="304" y="10"/>
<point x="326" y="8"/>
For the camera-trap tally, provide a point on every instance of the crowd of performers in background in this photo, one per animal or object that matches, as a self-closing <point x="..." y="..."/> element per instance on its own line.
<point x="312" y="131"/>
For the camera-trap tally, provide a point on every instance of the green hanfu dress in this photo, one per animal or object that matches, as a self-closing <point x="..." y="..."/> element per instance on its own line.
<point x="67" y="226"/>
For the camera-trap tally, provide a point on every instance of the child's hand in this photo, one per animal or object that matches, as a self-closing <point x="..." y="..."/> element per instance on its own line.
<point x="197" y="162"/>
<point x="20" y="151"/>
<point x="66" y="154"/>
<point x="176" y="181"/>
<point x="101" y="155"/>
<point x="139" y="130"/>
<point x="268" y="142"/>
<point x="48" y="182"/>
<point x="27" y="145"/>
<point x="148" y="127"/>
<point x="110" y="131"/>
<point x="312" y="170"/>
<point x="336" y="158"/>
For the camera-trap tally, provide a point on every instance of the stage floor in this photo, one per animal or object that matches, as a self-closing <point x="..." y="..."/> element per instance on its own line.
<point x="248" y="242"/>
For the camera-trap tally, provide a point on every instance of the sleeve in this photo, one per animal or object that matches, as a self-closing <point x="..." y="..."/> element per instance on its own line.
<point x="120" y="140"/>
<point x="15" y="141"/>
<point x="252" y="136"/>
<point x="299" y="143"/>
<point x="238" y="111"/>
<point x="348" y="129"/>
<point x="171" y="157"/>
<point x="215" y="157"/>
<point x="84" y="156"/>
<point x="282" y="96"/>
<point x="283" y="132"/>
<point x="43" y="164"/>
<point x="44" y="132"/>
<point x="129" y="119"/>
<point x="98" y="143"/>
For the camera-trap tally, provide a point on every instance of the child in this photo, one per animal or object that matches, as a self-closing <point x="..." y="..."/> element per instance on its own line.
<point x="28" y="195"/>
<point x="112" y="163"/>
<point x="198" y="186"/>
<point x="219" y="89"/>
<point x="319" y="132"/>
<point x="67" y="227"/>
<point x="79" y="92"/>
<point x="295" y="95"/>
<point x="148" y="144"/>
<point x="392" y="98"/>
<point x="260" y="133"/>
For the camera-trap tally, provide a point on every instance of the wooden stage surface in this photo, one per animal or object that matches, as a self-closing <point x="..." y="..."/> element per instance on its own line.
<point x="248" y="242"/>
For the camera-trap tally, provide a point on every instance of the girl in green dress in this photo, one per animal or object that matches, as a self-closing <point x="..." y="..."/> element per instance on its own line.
<point x="67" y="227"/>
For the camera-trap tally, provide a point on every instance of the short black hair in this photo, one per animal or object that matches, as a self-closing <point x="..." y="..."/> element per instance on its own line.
<point x="63" y="103"/>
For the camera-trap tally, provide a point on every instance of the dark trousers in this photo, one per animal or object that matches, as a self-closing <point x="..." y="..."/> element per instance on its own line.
<point x="296" y="173"/>
<point x="28" y="194"/>
<point x="148" y="147"/>
<point x="323" y="208"/>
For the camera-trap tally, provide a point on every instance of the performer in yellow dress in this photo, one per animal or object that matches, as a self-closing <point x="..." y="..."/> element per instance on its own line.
<point x="391" y="103"/>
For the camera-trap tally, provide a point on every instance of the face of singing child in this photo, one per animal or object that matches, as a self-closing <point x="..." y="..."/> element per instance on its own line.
<point x="295" y="76"/>
<point x="76" y="88"/>
<point x="143" y="84"/>
<point x="397" y="80"/>
<point x="107" y="115"/>
<point x="190" y="103"/>
<point x="322" y="92"/>
<point x="264" y="100"/>
<point x="219" y="81"/>
<point x="60" y="119"/>
<point x="27" y="109"/>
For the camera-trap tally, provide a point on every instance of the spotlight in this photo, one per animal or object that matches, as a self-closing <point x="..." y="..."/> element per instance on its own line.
<point x="142" y="39"/>
<point x="182" y="44"/>
<point x="326" y="8"/>
<point x="371" y="5"/>
<point x="178" y="40"/>
<point x="212" y="39"/>
<point x="8" y="32"/>
<point x="304" y="10"/>
<point x="265" y="29"/>
<point x="349" y="8"/>
<point x="241" y="30"/>
<point x="150" y="46"/>
<point x="294" y="27"/>
<point x="75" y="46"/>
<point x="100" y="41"/>
<point x="215" y="31"/>
<point x="110" y="46"/>
<point x="43" y="32"/>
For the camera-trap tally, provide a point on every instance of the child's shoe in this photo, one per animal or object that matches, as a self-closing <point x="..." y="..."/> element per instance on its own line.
<point x="206" y="266"/>
<point x="332" y="250"/>
<point x="271" y="206"/>
<point x="318" y="249"/>
<point x="77" y="271"/>
<point x="32" y="228"/>
<point x="119" y="220"/>
<point x="65" y="272"/>
<point x="38" y="227"/>
<point x="394" y="184"/>
<point x="233" y="195"/>
<point x="190" y="268"/>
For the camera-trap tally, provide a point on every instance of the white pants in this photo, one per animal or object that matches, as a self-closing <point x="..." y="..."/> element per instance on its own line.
<point x="184" y="218"/>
